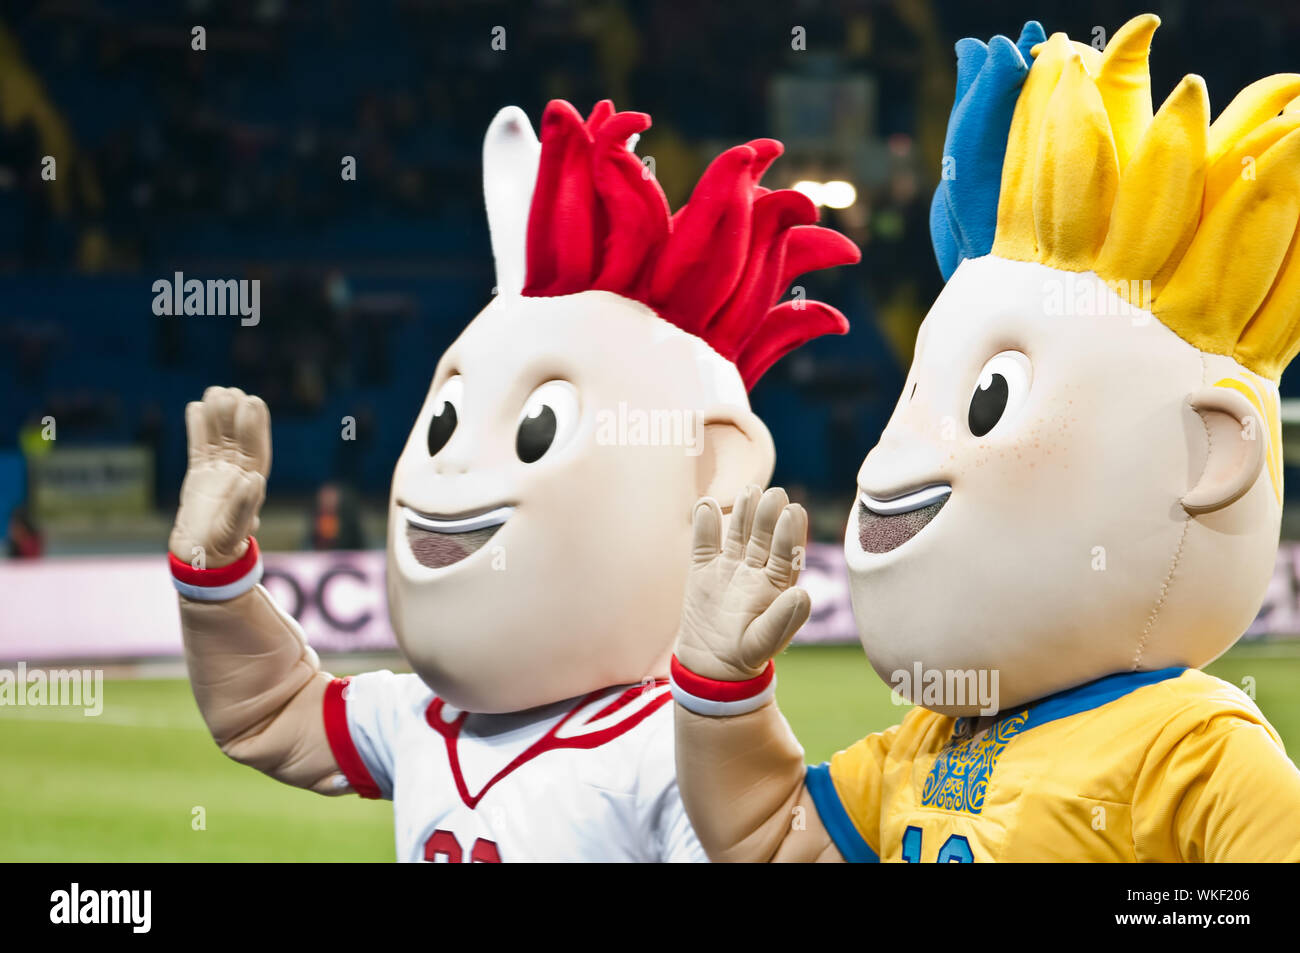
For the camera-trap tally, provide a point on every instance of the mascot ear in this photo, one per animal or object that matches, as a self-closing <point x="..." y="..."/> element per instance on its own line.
<point x="510" y="154"/>
<point x="737" y="451"/>
<point x="1235" y="449"/>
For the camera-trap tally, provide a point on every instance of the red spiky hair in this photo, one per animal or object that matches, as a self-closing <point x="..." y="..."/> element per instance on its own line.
<point x="715" y="269"/>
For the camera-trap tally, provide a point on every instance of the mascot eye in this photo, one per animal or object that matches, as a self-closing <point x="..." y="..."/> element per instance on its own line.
<point x="548" y="420"/>
<point x="443" y="422"/>
<point x="1002" y="387"/>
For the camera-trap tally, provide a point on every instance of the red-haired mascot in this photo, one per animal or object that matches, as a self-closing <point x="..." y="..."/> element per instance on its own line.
<point x="540" y="512"/>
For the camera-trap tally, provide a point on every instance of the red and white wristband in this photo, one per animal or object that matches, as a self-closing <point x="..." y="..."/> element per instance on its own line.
<point x="221" y="584"/>
<point x="709" y="696"/>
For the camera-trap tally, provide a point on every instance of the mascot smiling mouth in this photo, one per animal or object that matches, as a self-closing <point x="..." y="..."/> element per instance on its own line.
<point x="884" y="525"/>
<point x="438" y="541"/>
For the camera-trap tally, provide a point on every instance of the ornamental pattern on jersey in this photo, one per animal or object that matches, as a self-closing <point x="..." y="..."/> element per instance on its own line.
<point x="960" y="776"/>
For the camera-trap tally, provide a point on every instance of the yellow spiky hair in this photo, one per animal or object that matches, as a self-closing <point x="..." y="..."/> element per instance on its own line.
<point x="1207" y="214"/>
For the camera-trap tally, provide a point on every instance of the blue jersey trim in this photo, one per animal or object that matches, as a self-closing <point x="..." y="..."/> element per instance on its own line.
<point x="1092" y="695"/>
<point x="836" y="820"/>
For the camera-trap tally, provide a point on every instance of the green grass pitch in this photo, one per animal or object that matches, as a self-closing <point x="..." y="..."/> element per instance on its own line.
<point x="125" y="786"/>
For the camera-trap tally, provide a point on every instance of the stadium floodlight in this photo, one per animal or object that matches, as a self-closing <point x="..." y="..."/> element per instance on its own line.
<point x="836" y="194"/>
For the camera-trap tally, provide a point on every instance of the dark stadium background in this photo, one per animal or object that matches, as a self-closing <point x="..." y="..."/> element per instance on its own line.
<point x="225" y="163"/>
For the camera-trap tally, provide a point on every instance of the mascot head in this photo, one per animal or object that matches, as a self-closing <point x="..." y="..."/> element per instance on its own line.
<point x="540" y="515"/>
<point x="1083" y="473"/>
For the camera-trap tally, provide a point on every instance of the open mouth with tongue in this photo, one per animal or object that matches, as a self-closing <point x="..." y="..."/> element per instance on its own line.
<point x="437" y="540"/>
<point x="886" y="524"/>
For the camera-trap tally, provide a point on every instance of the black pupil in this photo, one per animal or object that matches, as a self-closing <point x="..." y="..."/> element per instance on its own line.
<point x="535" y="435"/>
<point x="441" y="427"/>
<point x="987" y="405"/>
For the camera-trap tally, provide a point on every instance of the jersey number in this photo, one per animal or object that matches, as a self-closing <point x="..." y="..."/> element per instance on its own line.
<point x="442" y="847"/>
<point x="955" y="850"/>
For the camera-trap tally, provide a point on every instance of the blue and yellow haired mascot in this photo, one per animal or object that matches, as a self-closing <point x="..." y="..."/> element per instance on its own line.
<point x="1074" y="506"/>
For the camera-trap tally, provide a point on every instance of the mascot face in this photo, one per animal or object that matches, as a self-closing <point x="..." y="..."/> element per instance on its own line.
<point x="1025" y="503"/>
<point x="541" y="510"/>
<point x="540" y="517"/>
<point x="1083" y="474"/>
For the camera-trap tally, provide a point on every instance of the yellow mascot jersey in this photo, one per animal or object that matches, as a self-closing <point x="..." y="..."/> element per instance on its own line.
<point x="1173" y="765"/>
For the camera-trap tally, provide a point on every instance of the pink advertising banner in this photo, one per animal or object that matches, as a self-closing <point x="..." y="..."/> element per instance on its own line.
<point x="125" y="607"/>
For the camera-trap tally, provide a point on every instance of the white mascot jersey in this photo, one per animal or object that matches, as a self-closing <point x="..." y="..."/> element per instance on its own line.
<point x="588" y="779"/>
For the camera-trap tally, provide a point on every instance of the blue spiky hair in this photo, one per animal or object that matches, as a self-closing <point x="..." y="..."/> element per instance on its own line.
<point x="964" y="213"/>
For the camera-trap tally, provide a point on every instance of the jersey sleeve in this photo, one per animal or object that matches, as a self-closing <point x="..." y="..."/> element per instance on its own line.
<point x="1225" y="791"/>
<point x="362" y="719"/>
<point x="668" y="828"/>
<point x="847" y="794"/>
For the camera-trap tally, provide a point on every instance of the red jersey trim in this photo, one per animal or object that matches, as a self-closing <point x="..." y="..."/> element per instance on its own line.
<point x="334" y="710"/>
<point x="551" y="741"/>
<point x="222" y="575"/>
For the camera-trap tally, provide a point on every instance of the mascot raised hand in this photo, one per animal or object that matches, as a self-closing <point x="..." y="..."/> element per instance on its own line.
<point x="1074" y="506"/>
<point x="540" y="513"/>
